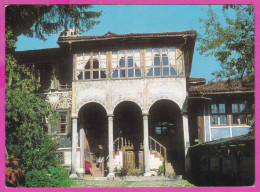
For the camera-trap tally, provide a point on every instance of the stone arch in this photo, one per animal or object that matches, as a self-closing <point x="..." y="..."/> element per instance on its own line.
<point x="100" y="102"/>
<point x="151" y="103"/>
<point x="138" y="103"/>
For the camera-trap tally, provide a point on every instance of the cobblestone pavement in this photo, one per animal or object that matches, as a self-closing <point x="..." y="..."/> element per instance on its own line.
<point x="131" y="182"/>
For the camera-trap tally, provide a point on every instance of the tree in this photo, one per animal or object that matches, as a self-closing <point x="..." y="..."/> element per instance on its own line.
<point x="232" y="42"/>
<point x="26" y="113"/>
<point x="38" y="20"/>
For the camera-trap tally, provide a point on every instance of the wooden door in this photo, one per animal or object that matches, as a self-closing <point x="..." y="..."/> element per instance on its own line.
<point x="130" y="159"/>
<point x="141" y="159"/>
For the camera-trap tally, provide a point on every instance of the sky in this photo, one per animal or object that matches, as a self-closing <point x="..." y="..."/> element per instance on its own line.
<point x="123" y="19"/>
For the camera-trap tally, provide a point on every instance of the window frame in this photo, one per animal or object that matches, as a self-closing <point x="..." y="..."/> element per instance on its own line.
<point x="239" y="113"/>
<point x="161" y="65"/>
<point x="218" y="114"/>
<point x="126" y="64"/>
<point x="92" y="69"/>
<point x="67" y="122"/>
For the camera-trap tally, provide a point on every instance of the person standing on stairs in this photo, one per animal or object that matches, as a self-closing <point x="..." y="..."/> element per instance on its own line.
<point x="100" y="156"/>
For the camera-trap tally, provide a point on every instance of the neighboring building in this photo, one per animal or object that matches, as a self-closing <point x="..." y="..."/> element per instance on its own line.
<point x="130" y="93"/>
<point x="220" y="109"/>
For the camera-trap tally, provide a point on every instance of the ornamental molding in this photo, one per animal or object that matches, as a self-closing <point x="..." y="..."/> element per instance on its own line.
<point x="59" y="100"/>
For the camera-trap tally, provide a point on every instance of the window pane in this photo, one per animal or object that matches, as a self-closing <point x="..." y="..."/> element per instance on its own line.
<point x="235" y="119"/>
<point x="102" y="64"/>
<point x="103" y="74"/>
<point x="130" y="62"/>
<point x="122" y="62"/>
<point x="156" y="51"/>
<point x="95" y="74"/>
<point x="138" y="72"/>
<point x="221" y="108"/>
<point x="165" y="61"/>
<point x="80" y="75"/>
<point x="223" y="120"/>
<point x="95" y="64"/>
<point x="241" y="107"/>
<point x="158" y="130"/>
<point x="114" y="64"/>
<point x="87" y="66"/>
<point x="130" y="73"/>
<point x="157" y="71"/>
<point x="243" y="119"/>
<point x="214" y="108"/>
<point x="137" y="53"/>
<point x="173" y="71"/>
<point x="122" y="73"/>
<point x="150" y="72"/>
<point x="87" y="74"/>
<point x="62" y="128"/>
<point x="156" y="60"/>
<point x="234" y="108"/>
<point x="149" y="52"/>
<point x="214" y="119"/>
<point x="115" y="73"/>
<point x="166" y="71"/>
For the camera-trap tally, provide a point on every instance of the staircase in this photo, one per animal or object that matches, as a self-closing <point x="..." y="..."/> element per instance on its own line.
<point x="158" y="154"/>
<point x="97" y="171"/>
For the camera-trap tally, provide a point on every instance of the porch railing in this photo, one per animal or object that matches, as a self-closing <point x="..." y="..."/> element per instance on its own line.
<point x="156" y="146"/>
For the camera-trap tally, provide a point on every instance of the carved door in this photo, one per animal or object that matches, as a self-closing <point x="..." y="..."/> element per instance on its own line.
<point x="130" y="159"/>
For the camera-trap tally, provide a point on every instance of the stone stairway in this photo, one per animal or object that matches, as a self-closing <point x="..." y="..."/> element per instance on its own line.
<point x="169" y="171"/>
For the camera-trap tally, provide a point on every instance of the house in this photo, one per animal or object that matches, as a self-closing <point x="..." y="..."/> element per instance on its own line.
<point x="132" y="94"/>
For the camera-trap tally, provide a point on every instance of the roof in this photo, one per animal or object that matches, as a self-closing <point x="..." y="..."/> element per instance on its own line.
<point x="229" y="140"/>
<point x="196" y="81"/>
<point x="111" y="35"/>
<point x="228" y="86"/>
<point x="38" y="55"/>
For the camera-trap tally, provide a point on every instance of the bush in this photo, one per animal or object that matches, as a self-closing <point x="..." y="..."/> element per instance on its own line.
<point x="52" y="176"/>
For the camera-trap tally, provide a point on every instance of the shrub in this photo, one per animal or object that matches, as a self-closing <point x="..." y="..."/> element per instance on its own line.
<point x="52" y="176"/>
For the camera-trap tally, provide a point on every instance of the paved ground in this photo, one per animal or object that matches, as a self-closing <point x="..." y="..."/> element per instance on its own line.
<point x="131" y="182"/>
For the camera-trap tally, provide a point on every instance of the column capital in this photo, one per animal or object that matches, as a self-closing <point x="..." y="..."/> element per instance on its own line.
<point x="74" y="117"/>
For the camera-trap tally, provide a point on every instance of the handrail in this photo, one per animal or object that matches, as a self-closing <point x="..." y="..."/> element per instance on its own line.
<point x="152" y="140"/>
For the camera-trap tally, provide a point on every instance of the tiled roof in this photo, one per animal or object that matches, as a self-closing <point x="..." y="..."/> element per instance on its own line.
<point x="111" y="35"/>
<point x="228" y="86"/>
<point x="196" y="81"/>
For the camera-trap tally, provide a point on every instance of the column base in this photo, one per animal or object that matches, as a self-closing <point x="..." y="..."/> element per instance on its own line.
<point x="73" y="175"/>
<point x="111" y="175"/>
<point x="147" y="174"/>
<point x="80" y="170"/>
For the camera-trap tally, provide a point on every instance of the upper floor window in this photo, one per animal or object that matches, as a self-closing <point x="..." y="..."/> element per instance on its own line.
<point x="161" y="62"/>
<point x="218" y="112"/>
<point x="126" y="63"/>
<point x="91" y="66"/>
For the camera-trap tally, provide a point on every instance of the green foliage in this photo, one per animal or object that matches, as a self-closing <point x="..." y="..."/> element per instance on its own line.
<point x="232" y="42"/>
<point x="26" y="115"/>
<point x="52" y="176"/>
<point x="37" y="20"/>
